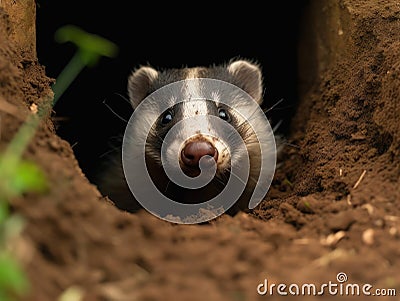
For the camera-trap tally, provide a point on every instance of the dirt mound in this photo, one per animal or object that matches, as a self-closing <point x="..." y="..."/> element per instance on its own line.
<point x="333" y="206"/>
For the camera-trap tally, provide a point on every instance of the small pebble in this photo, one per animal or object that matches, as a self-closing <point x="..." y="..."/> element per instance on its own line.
<point x="333" y="239"/>
<point x="394" y="232"/>
<point x="379" y="223"/>
<point x="368" y="237"/>
<point x="34" y="108"/>
<point x="369" y="208"/>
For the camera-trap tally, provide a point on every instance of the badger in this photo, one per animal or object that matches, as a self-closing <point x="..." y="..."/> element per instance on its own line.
<point x="192" y="151"/>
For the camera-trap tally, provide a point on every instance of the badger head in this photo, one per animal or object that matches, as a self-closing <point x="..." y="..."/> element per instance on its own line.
<point x="199" y="143"/>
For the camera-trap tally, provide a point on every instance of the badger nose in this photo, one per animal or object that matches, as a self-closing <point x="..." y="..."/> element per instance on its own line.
<point x="195" y="150"/>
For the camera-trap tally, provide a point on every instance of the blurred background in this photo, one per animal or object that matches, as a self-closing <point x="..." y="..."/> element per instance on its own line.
<point x="163" y="36"/>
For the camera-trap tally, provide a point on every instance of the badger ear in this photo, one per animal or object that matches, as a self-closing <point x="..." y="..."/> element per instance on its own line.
<point x="139" y="83"/>
<point x="247" y="76"/>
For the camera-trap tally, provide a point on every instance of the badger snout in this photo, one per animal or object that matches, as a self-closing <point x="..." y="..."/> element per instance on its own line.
<point x="193" y="152"/>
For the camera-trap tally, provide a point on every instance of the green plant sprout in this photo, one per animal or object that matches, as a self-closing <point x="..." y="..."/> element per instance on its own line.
<point x="90" y="49"/>
<point x="19" y="176"/>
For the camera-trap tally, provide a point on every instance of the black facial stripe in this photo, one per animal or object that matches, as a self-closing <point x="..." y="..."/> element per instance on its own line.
<point x="211" y="108"/>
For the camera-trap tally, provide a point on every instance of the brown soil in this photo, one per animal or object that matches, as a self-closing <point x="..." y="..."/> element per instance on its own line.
<point x="334" y="205"/>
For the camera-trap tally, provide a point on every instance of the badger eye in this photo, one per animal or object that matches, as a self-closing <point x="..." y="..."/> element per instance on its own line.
<point x="223" y="114"/>
<point x="167" y="117"/>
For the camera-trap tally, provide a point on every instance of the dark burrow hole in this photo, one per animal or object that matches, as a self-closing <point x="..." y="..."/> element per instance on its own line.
<point x="163" y="37"/>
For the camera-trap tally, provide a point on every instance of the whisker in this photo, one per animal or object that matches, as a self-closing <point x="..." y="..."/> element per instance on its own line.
<point x="283" y="108"/>
<point x="273" y="107"/>
<point x="166" y="187"/>
<point x="226" y="148"/>
<point x="237" y="177"/>
<point x="220" y="181"/>
<point x="246" y="122"/>
<point x="123" y="97"/>
<point x="277" y="125"/>
<point x="255" y="181"/>
<point x="116" y="138"/>
<point x="106" y="153"/>
<point x="250" y="117"/>
<point x="290" y="144"/>
<point x="115" y="113"/>
<point x="238" y="127"/>
<point x="161" y="139"/>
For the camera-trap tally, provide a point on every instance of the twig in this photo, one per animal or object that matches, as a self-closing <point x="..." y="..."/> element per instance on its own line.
<point x="360" y="179"/>
<point x="349" y="200"/>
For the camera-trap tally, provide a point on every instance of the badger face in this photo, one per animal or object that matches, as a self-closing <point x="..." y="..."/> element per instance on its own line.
<point x="199" y="144"/>
<point x="197" y="141"/>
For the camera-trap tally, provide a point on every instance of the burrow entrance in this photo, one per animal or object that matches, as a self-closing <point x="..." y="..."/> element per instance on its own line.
<point x="84" y="115"/>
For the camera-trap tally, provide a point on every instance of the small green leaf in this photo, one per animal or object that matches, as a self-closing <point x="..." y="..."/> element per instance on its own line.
<point x="13" y="226"/>
<point x="29" y="177"/>
<point x="4" y="296"/>
<point x="91" y="46"/>
<point x="4" y="212"/>
<point x="12" y="277"/>
<point x="286" y="181"/>
<point x="20" y="177"/>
